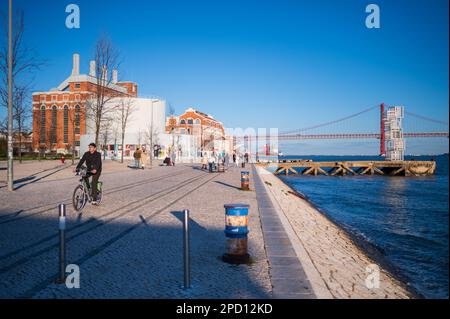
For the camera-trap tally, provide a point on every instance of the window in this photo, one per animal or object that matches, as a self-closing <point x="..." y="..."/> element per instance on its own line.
<point x="54" y="125"/>
<point x="77" y="85"/>
<point x="197" y="121"/>
<point x="77" y="119"/>
<point x="77" y="143"/>
<point x="42" y="128"/>
<point x="182" y="131"/>
<point x="182" y="122"/>
<point x="190" y="121"/>
<point x="66" y="124"/>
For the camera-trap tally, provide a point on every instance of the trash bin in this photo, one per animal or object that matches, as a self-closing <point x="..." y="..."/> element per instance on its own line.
<point x="245" y="180"/>
<point x="236" y="231"/>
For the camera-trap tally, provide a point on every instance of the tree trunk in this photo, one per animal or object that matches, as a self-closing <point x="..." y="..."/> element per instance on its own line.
<point x="97" y="134"/>
<point x="20" y="143"/>
<point x="20" y="147"/>
<point x="73" y="150"/>
<point x="123" y="147"/>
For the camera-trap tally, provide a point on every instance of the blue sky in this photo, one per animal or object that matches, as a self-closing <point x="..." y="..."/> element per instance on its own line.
<point x="285" y="64"/>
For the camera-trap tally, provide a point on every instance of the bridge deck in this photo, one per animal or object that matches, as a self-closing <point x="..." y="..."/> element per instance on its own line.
<point x="330" y="168"/>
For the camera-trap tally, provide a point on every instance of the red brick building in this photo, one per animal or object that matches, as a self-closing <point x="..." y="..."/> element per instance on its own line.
<point x="193" y="122"/>
<point x="59" y="115"/>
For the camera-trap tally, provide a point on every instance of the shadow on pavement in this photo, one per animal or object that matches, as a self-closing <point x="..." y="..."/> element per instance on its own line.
<point x="132" y="258"/>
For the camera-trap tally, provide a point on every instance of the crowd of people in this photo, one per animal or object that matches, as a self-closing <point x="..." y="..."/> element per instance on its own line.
<point x="212" y="159"/>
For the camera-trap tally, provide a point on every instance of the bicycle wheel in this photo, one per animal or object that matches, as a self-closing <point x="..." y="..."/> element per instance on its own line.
<point x="79" y="198"/>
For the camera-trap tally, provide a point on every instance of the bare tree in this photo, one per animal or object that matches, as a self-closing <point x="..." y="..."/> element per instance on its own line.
<point x="115" y="134"/>
<point x="3" y="127"/>
<point x="124" y="110"/>
<point x="44" y="136"/>
<point x="21" y="114"/>
<point x="152" y="135"/>
<point x="37" y="137"/>
<point x="139" y="137"/>
<point x="106" y="61"/>
<point x="74" y="120"/>
<point x="106" y="134"/>
<point x="172" y="122"/>
<point x="24" y="61"/>
<point x="46" y="143"/>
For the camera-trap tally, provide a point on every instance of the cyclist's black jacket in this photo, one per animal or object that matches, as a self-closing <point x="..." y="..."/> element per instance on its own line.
<point x="93" y="161"/>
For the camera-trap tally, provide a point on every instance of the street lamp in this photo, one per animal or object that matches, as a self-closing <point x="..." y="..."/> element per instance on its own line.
<point x="10" y="115"/>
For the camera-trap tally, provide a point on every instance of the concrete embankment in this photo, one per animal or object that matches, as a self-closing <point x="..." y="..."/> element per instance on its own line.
<point x="335" y="265"/>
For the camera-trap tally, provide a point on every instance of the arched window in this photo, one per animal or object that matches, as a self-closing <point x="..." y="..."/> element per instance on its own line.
<point x="182" y="122"/>
<point x="197" y="121"/>
<point x="77" y="119"/>
<point x="54" y="124"/>
<point x="42" y="128"/>
<point x="66" y="124"/>
<point x="190" y="121"/>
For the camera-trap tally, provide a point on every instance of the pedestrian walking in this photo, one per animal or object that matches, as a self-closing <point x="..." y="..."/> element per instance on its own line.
<point x="226" y="160"/>
<point x="173" y="157"/>
<point x="144" y="157"/>
<point x="211" y="162"/>
<point x="137" y="158"/>
<point x="205" y="161"/>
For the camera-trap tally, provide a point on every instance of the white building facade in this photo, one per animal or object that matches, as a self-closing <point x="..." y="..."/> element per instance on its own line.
<point x="145" y="123"/>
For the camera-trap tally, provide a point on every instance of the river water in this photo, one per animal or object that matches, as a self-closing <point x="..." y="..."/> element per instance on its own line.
<point x="405" y="218"/>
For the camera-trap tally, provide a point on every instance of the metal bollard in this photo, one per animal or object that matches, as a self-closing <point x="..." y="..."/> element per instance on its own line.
<point x="187" y="268"/>
<point x="62" y="243"/>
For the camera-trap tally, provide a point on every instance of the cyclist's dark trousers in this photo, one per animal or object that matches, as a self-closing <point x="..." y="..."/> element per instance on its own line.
<point x="93" y="185"/>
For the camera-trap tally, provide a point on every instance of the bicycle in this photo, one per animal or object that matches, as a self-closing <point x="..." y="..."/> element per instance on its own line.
<point x="82" y="194"/>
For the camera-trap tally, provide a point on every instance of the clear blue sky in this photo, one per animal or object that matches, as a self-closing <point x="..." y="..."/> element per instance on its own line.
<point x="285" y="64"/>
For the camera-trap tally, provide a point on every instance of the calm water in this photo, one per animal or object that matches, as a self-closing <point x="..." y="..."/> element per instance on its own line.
<point x="405" y="217"/>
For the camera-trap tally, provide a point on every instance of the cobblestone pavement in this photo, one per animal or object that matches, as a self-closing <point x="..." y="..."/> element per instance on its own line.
<point x="131" y="245"/>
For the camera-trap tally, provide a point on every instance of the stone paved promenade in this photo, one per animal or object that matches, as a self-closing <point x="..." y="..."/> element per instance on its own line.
<point x="131" y="245"/>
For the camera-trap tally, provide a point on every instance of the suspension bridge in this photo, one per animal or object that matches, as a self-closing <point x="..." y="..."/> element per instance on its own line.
<point x="390" y="133"/>
<point x="415" y="126"/>
<point x="302" y="134"/>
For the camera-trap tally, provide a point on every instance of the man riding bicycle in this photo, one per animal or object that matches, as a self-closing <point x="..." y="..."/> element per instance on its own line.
<point x="93" y="161"/>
